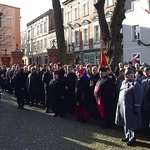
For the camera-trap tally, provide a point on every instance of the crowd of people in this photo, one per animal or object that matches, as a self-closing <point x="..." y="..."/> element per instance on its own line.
<point x="119" y="97"/>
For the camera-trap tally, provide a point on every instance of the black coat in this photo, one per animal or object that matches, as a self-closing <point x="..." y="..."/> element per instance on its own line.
<point x="57" y="96"/>
<point x="46" y="78"/>
<point x="32" y="83"/>
<point x="108" y="94"/>
<point x="19" y="82"/>
<point x="82" y="94"/>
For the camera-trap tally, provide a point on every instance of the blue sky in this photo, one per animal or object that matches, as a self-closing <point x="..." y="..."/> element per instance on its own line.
<point x="30" y="9"/>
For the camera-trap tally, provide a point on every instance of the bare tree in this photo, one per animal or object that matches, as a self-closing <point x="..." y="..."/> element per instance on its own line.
<point x="112" y="37"/>
<point x="59" y="31"/>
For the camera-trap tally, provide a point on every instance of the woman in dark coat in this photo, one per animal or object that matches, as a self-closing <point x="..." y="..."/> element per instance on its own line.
<point x="56" y="94"/>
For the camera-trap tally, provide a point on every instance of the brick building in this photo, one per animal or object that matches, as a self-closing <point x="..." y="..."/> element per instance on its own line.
<point x="9" y="30"/>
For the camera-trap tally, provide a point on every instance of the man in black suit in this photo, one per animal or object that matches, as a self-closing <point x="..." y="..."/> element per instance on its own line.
<point x="19" y="87"/>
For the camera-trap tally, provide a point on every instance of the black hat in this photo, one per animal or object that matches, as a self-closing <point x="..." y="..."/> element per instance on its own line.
<point x="103" y="69"/>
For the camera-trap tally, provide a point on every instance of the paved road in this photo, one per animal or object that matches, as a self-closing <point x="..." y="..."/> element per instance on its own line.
<point x="32" y="129"/>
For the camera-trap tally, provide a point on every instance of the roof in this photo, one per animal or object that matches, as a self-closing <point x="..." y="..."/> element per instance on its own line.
<point x="66" y="2"/>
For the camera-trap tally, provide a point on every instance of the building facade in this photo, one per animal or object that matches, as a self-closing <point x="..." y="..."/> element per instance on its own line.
<point x="40" y="36"/>
<point x="82" y="30"/>
<point x="9" y="30"/>
<point x="136" y="32"/>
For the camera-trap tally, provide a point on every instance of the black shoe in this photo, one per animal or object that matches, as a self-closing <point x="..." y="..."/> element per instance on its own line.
<point x="47" y="111"/>
<point x="79" y="119"/>
<point x="31" y="105"/>
<point x="83" y="121"/>
<point x="131" y="143"/>
<point x="18" y="108"/>
<point x="125" y="139"/>
<point x="21" y="107"/>
<point x="55" y="115"/>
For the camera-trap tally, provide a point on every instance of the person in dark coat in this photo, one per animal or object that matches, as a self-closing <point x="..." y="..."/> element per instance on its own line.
<point x="19" y="87"/>
<point x="41" y="85"/>
<point x="46" y="78"/>
<point x="61" y="71"/>
<point x="82" y="97"/>
<point x="32" y="85"/>
<point x="145" y="85"/>
<point x="70" y="82"/>
<point x="106" y="95"/>
<point x="93" y="104"/>
<point x="57" y="95"/>
<point x="128" y="112"/>
<point x="12" y="78"/>
<point x="3" y="79"/>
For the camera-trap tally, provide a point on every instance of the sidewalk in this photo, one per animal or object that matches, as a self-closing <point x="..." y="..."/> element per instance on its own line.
<point x="32" y="129"/>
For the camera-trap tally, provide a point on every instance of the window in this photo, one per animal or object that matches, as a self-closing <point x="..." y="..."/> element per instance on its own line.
<point x="94" y="2"/>
<point x="41" y="28"/>
<point x="136" y="57"/>
<point x="109" y="3"/>
<point x="76" y="13"/>
<point x="135" y="32"/>
<point x="76" y="38"/>
<point x="41" y="44"/>
<point x="29" y="34"/>
<point x="149" y="5"/>
<point x="38" y="30"/>
<point x="45" y="27"/>
<point x="33" y="34"/>
<point x="9" y="39"/>
<point x="37" y="45"/>
<point x="96" y="34"/>
<point x="97" y="60"/>
<point x="85" y="9"/>
<point x="69" y="16"/>
<point x="45" y="43"/>
<point x="8" y="22"/>
<point x="0" y="21"/>
<point x="85" y="33"/>
<point x="1" y="39"/>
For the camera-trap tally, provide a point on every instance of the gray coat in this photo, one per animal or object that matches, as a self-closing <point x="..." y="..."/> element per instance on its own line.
<point x="128" y="112"/>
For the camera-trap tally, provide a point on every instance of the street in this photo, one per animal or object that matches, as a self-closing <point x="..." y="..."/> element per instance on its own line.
<point x="32" y="129"/>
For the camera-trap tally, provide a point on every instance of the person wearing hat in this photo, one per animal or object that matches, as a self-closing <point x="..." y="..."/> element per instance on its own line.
<point x="105" y="93"/>
<point x="82" y="97"/>
<point x="56" y="94"/>
<point x="145" y="85"/>
<point x="128" y="112"/>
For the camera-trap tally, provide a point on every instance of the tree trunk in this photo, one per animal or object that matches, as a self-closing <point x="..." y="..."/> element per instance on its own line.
<point x="112" y="38"/>
<point x="62" y="56"/>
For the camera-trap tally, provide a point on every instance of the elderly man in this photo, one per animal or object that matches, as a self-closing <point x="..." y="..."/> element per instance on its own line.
<point x="145" y="85"/>
<point x="128" y="113"/>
